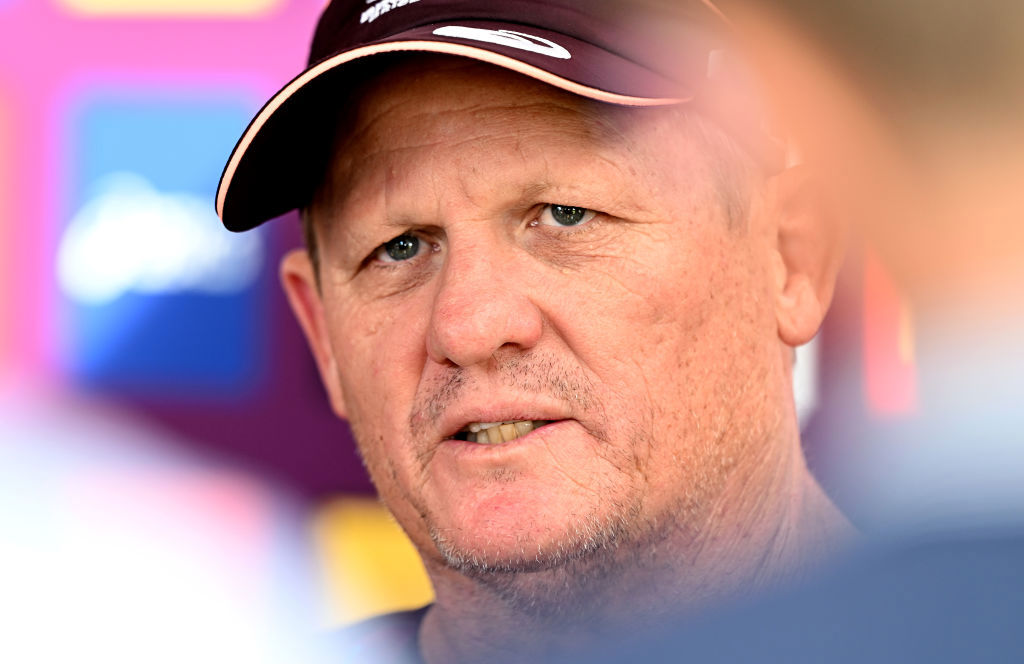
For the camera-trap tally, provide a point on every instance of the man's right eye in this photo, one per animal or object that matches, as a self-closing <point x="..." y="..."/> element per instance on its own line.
<point x="399" y="249"/>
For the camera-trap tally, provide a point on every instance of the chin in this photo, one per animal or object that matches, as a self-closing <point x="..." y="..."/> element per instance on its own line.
<point x="510" y="541"/>
<point x="554" y="579"/>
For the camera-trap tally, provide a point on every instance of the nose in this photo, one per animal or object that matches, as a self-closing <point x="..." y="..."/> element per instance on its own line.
<point x="481" y="305"/>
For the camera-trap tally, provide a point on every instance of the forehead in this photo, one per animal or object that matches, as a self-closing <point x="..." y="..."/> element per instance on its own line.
<point x="445" y="102"/>
<point x="426" y="85"/>
<point x="416" y="112"/>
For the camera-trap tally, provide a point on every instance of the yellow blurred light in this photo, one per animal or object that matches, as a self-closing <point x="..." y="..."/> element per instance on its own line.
<point x="370" y="566"/>
<point x="204" y="8"/>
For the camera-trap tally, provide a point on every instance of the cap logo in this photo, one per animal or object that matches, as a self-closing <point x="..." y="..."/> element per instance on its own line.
<point x="382" y="7"/>
<point x="511" y="38"/>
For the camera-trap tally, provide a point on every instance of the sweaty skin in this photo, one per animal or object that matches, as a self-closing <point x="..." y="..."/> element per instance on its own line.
<point x="655" y="334"/>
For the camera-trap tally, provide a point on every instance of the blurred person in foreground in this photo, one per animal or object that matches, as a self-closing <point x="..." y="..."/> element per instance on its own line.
<point x="555" y="292"/>
<point x="120" y="545"/>
<point x="912" y="112"/>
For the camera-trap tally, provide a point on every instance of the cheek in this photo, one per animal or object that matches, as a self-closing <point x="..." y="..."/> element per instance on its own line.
<point x="670" y="296"/>
<point x="380" y="356"/>
<point x="713" y="296"/>
<point x="676" y="336"/>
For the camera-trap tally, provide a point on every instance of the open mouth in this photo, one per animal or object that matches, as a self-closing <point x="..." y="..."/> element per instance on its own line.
<point x="493" y="433"/>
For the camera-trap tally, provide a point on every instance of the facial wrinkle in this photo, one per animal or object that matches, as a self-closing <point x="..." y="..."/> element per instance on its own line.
<point x="564" y="472"/>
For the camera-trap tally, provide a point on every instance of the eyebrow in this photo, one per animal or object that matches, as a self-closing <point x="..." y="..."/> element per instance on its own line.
<point x="534" y="190"/>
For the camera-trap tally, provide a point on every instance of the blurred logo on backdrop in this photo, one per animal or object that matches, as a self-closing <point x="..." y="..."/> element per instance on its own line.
<point x="131" y="238"/>
<point x="159" y="299"/>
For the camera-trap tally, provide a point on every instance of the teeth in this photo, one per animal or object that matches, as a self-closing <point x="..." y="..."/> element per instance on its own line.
<point x="523" y="428"/>
<point x="493" y="433"/>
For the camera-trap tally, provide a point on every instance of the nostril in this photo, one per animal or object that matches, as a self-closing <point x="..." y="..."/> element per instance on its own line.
<point x="478" y="310"/>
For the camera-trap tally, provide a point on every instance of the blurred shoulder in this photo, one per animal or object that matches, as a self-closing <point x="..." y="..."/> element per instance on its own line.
<point x="392" y="638"/>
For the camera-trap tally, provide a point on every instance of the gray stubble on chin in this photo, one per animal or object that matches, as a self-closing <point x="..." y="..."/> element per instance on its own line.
<point x="565" y="581"/>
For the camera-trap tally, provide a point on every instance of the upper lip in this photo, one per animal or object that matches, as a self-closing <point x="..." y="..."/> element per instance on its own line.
<point x="457" y="418"/>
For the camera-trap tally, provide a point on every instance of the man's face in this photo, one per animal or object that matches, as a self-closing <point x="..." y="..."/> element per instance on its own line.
<point x="494" y="250"/>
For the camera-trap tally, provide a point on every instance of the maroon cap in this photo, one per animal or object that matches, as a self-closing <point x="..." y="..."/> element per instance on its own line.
<point x="590" y="48"/>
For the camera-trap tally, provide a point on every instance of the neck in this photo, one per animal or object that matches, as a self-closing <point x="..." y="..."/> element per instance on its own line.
<point x="770" y="524"/>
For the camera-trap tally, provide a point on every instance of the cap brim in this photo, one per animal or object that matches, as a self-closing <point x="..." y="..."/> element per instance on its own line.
<point x="282" y="154"/>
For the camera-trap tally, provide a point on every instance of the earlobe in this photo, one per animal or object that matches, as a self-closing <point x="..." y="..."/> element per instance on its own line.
<point x="809" y="250"/>
<point x="298" y="277"/>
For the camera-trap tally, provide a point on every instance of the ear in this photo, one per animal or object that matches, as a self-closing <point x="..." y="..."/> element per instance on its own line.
<point x="809" y="247"/>
<point x="298" y="276"/>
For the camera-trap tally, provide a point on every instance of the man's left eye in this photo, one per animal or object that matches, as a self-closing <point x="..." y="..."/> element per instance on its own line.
<point x="565" y="215"/>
